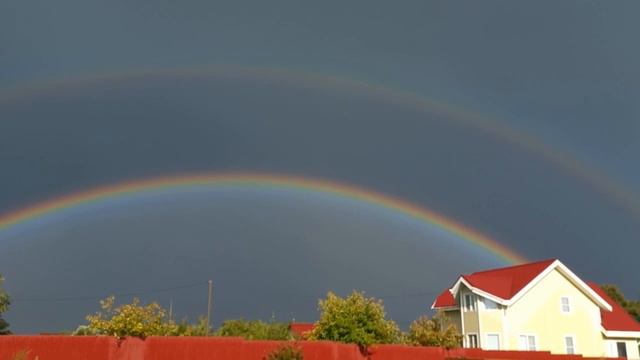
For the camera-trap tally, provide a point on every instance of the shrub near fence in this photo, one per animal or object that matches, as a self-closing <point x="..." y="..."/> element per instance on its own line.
<point x="206" y="348"/>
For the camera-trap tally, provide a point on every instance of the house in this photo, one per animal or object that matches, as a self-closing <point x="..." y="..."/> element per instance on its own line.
<point x="301" y="330"/>
<point x="538" y="306"/>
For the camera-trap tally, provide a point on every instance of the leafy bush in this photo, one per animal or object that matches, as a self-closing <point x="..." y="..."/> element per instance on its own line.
<point x="434" y="332"/>
<point x="355" y="319"/>
<point x="130" y="320"/>
<point x="255" y="329"/>
<point x="21" y="355"/>
<point x="83" y="330"/>
<point x="4" y="306"/>
<point x="286" y="352"/>
<point x="198" y="329"/>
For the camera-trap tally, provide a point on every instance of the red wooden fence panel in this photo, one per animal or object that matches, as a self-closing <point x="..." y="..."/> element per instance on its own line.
<point x="400" y="352"/>
<point x="58" y="347"/>
<point x="195" y="348"/>
<point x="320" y="350"/>
<point x="128" y="349"/>
<point x="161" y="348"/>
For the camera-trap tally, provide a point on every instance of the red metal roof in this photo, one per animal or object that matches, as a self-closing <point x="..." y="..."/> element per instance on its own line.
<point x="444" y="300"/>
<point x="502" y="282"/>
<point x="508" y="281"/>
<point x="302" y="329"/>
<point x="618" y="319"/>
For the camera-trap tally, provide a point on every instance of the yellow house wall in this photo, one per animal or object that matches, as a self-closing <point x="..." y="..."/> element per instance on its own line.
<point x="452" y="317"/>
<point x="491" y="322"/>
<point x="538" y="313"/>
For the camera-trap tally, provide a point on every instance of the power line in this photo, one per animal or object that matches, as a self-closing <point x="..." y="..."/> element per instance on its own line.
<point x="383" y="297"/>
<point x="193" y="285"/>
<point x="411" y="295"/>
<point x="87" y="298"/>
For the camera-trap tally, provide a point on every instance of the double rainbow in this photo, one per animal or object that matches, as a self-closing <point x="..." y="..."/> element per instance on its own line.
<point x="618" y="193"/>
<point x="260" y="180"/>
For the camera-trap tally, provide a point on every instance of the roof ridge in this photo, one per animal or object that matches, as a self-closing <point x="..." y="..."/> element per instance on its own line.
<point x="512" y="267"/>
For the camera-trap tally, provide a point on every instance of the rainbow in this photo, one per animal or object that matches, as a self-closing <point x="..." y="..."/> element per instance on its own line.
<point x="133" y="187"/>
<point x="618" y="193"/>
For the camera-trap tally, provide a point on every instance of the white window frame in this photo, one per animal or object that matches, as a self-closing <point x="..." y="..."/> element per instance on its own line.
<point x="535" y="342"/>
<point x="573" y="342"/>
<point x="568" y="305"/>
<point x="470" y="302"/>
<point x="494" y="334"/>
<point x="468" y="340"/>
<point x="611" y="348"/>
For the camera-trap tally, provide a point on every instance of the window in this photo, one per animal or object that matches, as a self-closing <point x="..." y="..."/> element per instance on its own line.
<point x="470" y="302"/>
<point x="565" y="306"/>
<point x="493" y="342"/>
<point x="569" y="345"/>
<point x="490" y="305"/>
<point x="622" y="349"/>
<point x="527" y="342"/>
<point x="472" y="340"/>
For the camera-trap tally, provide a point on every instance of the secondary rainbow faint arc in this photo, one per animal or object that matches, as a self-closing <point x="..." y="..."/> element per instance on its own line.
<point x="260" y="180"/>
<point x="599" y="181"/>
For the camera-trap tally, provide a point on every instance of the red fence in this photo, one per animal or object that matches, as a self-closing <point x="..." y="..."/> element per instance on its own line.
<point x="200" y="348"/>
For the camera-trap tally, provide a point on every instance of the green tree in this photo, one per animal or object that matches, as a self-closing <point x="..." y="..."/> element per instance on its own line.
<point x="130" y="320"/>
<point x="434" y="332"/>
<point x="198" y="329"/>
<point x="354" y="319"/>
<point x="631" y="306"/>
<point x="5" y="301"/>
<point x="255" y="329"/>
<point x="84" y="330"/>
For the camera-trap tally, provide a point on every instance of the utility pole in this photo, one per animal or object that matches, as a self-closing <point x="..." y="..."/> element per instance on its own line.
<point x="209" y="307"/>
<point x="171" y="310"/>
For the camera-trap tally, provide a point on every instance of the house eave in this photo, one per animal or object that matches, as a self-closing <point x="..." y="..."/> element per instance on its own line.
<point x="621" y="334"/>
<point x="461" y="280"/>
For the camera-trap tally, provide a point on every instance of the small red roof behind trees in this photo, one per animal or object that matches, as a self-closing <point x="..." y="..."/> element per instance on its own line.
<point x="302" y="329"/>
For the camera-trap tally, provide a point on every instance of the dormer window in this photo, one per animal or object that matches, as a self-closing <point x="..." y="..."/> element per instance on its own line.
<point x="565" y="306"/>
<point x="469" y="302"/>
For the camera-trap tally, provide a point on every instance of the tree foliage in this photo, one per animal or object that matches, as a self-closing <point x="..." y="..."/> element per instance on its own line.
<point x="184" y="328"/>
<point x="130" y="320"/>
<point x="84" y="330"/>
<point x="255" y="329"/>
<point x="631" y="306"/>
<point x="354" y="319"/>
<point x="285" y="352"/>
<point x="5" y="301"/>
<point x="21" y="355"/>
<point x="434" y="332"/>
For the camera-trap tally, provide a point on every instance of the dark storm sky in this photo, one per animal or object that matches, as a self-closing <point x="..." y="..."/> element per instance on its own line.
<point x="564" y="73"/>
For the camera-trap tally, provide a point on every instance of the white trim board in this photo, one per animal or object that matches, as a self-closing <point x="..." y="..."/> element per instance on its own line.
<point x="612" y="334"/>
